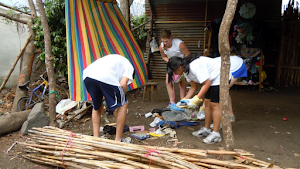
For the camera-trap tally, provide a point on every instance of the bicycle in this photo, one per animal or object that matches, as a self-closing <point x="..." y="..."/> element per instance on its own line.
<point x="34" y="97"/>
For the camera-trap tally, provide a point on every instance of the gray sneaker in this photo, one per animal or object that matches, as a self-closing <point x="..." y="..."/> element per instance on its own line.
<point x="202" y="132"/>
<point x="232" y="118"/>
<point x="212" y="138"/>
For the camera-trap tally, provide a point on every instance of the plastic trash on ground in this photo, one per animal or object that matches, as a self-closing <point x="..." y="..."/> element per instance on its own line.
<point x="65" y="106"/>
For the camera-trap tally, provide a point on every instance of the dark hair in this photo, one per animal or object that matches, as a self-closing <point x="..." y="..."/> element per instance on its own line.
<point x="175" y="62"/>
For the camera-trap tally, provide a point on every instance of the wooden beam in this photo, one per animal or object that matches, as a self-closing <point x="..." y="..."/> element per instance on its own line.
<point x="291" y="68"/>
<point x="181" y="21"/>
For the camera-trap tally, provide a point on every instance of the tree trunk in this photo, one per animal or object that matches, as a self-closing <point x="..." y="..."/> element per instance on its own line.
<point x="224" y="48"/>
<point x="26" y="67"/>
<point x="32" y="8"/>
<point x="49" y="63"/>
<point x="125" y="9"/>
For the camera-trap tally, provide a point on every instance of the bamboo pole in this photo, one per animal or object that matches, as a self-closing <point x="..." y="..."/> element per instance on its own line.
<point x="259" y="162"/>
<point x="15" y="63"/>
<point x="55" y="162"/>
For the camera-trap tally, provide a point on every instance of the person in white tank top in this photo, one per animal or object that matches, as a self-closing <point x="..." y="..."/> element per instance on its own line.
<point x="170" y="47"/>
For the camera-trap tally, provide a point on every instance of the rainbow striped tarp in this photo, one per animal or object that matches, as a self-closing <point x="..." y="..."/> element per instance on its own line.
<point x="95" y="29"/>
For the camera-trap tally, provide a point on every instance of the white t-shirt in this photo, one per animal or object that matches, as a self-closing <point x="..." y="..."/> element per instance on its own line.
<point x="204" y="68"/>
<point x="110" y="69"/>
<point x="174" y="50"/>
<point x="235" y="63"/>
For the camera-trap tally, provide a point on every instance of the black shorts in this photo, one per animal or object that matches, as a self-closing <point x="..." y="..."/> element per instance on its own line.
<point x="213" y="94"/>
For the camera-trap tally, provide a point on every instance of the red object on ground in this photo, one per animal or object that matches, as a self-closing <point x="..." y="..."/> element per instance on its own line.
<point x="284" y="119"/>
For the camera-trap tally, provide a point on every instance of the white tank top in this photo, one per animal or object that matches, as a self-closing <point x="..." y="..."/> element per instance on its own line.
<point x="174" y="50"/>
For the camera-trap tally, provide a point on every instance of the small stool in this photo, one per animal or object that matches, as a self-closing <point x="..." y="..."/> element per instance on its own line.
<point x="150" y="87"/>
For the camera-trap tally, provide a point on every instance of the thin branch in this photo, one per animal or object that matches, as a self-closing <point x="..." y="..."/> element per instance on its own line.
<point x="1" y="4"/>
<point x="141" y="25"/>
<point x="14" y="19"/>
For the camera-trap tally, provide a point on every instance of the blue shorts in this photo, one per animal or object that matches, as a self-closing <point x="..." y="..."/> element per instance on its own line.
<point x="114" y="95"/>
<point x="241" y="72"/>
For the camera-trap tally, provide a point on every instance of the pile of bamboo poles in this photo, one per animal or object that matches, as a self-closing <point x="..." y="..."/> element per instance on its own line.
<point x="61" y="148"/>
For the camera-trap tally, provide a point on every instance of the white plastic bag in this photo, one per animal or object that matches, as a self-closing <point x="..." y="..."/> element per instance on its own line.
<point x="153" y="45"/>
<point x="65" y="105"/>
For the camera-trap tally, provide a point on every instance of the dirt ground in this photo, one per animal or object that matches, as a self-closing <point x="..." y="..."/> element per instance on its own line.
<point x="259" y="127"/>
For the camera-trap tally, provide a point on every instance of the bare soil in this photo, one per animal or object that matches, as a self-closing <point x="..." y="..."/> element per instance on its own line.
<point x="259" y="127"/>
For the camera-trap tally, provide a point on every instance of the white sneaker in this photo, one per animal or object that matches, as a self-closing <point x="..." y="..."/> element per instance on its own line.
<point x="212" y="126"/>
<point x="201" y="114"/>
<point x="212" y="138"/>
<point x="202" y="132"/>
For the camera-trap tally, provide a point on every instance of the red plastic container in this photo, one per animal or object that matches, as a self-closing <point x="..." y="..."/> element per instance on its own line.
<point x="284" y="119"/>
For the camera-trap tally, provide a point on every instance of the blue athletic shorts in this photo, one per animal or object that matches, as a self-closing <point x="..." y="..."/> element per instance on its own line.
<point x="114" y="95"/>
<point x="241" y="72"/>
<point x="213" y="93"/>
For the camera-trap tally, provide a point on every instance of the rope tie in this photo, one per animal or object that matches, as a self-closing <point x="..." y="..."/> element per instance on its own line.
<point x="70" y="142"/>
<point x="54" y="92"/>
<point x="150" y="153"/>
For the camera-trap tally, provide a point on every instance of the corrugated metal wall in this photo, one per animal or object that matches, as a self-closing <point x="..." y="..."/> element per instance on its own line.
<point x="186" y="20"/>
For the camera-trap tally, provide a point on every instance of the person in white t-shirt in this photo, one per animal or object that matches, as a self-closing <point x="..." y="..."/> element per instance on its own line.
<point x="238" y="69"/>
<point x="170" y="47"/>
<point x="206" y="71"/>
<point x="109" y="77"/>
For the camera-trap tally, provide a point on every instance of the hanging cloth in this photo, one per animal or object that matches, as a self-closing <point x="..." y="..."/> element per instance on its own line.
<point x="95" y="29"/>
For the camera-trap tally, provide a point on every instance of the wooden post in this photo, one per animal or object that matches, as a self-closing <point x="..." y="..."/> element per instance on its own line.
<point x="224" y="48"/>
<point x="260" y="71"/>
<point x="150" y="34"/>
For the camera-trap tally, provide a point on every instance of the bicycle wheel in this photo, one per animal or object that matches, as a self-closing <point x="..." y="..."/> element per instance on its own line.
<point x="23" y="103"/>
